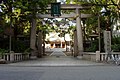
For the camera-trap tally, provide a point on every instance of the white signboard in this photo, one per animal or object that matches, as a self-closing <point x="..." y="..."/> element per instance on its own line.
<point x="107" y="41"/>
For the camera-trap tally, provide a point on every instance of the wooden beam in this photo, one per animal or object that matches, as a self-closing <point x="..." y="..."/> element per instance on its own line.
<point x="72" y="15"/>
<point x="72" y="6"/>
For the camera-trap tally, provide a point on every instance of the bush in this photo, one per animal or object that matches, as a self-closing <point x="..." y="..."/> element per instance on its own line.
<point x="115" y="47"/>
<point x="93" y="47"/>
<point x="115" y="44"/>
<point x="2" y="52"/>
<point x="27" y="51"/>
<point x="18" y="46"/>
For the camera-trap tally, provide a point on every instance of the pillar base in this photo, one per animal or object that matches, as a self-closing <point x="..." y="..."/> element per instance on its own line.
<point x="80" y="57"/>
<point x="97" y="56"/>
<point x="33" y="57"/>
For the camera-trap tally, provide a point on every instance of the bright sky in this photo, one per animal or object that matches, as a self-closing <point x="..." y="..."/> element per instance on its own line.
<point x="62" y="1"/>
<point x="0" y="9"/>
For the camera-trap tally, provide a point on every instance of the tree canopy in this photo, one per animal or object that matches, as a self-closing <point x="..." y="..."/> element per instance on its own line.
<point x="18" y="14"/>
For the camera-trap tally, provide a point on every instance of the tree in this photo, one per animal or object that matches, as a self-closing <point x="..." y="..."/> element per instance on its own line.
<point x="108" y="18"/>
<point x="20" y="12"/>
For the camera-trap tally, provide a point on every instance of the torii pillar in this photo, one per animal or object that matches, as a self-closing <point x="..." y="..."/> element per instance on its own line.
<point x="40" y="50"/>
<point x="75" y="44"/>
<point x="79" y="31"/>
<point x="33" y="39"/>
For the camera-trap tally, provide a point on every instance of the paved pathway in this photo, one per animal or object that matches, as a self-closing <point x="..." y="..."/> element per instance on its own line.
<point x="57" y="58"/>
<point x="58" y="52"/>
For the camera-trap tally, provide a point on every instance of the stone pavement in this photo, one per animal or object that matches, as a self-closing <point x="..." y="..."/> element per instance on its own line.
<point x="57" y="58"/>
<point x="58" y="52"/>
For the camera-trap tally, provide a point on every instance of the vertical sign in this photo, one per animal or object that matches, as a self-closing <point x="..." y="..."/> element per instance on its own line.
<point x="56" y="9"/>
<point x="107" y="41"/>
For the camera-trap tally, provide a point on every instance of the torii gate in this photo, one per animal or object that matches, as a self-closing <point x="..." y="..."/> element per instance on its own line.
<point x="76" y="15"/>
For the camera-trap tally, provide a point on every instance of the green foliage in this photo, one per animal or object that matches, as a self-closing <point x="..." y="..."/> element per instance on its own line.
<point x="115" y="47"/>
<point x="93" y="47"/>
<point x="115" y="44"/>
<point x="1" y="30"/>
<point x="24" y="8"/>
<point x="2" y="52"/>
<point x="22" y="11"/>
<point x="27" y="51"/>
<point x="112" y="11"/>
<point x="18" y="14"/>
<point x="115" y="40"/>
<point x="18" y="46"/>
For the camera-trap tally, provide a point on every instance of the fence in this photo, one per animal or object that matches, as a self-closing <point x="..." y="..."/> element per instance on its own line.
<point x="15" y="57"/>
<point x="99" y="56"/>
<point x="103" y="56"/>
